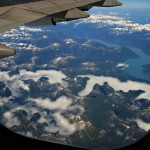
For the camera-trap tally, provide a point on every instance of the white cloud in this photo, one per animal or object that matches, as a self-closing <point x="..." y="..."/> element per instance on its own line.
<point x="53" y="76"/>
<point x="32" y="47"/>
<point x="143" y="125"/>
<point x="116" y="84"/>
<point x="62" y="60"/>
<point x="60" y="106"/>
<point x="67" y="128"/>
<point x="23" y="28"/>
<point x="10" y="119"/>
<point x="55" y="45"/>
<point x="42" y="120"/>
<point x="25" y="34"/>
<point x="13" y="83"/>
<point x="61" y="103"/>
<point x="62" y="125"/>
<point x="4" y="100"/>
<point x="45" y="37"/>
<point x="57" y="60"/>
<point x="16" y="82"/>
<point x="119" y="133"/>
<point x="122" y="65"/>
<point x="89" y="64"/>
<point x="70" y="41"/>
<point x="102" y="133"/>
<point x="117" y="23"/>
<point x="34" y="59"/>
<point x="21" y="33"/>
<point x="29" y="134"/>
<point x="21" y="46"/>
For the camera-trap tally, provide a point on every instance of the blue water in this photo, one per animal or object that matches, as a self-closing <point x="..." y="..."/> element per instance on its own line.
<point x="135" y="68"/>
<point x="135" y="65"/>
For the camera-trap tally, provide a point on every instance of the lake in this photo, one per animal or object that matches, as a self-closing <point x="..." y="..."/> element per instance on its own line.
<point x="135" y="65"/>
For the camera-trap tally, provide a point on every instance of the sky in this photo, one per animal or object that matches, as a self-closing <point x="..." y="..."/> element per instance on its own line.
<point x="140" y="5"/>
<point x="135" y="3"/>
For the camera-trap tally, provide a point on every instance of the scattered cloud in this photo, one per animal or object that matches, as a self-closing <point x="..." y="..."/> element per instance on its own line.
<point x="24" y="28"/>
<point x="55" y="113"/>
<point x="70" y="41"/>
<point x="88" y="64"/>
<point x="4" y="100"/>
<point x="45" y="37"/>
<point x="13" y="83"/>
<point x="16" y="82"/>
<point x="118" y="24"/>
<point x="62" y="60"/>
<point x="62" y="125"/>
<point x="55" y="45"/>
<point x="23" y="35"/>
<point x="10" y="119"/>
<point x="122" y="65"/>
<point x="65" y="113"/>
<point x="56" y="121"/>
<point x="29" y="134"/>
<point x="119" y="133"/>
<point x="62" y="115"/>
<point x="60" y="104"/>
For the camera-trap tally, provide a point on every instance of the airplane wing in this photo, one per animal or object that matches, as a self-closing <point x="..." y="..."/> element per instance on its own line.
<point x="51" y="11"/>
<point x="44" y="12"/>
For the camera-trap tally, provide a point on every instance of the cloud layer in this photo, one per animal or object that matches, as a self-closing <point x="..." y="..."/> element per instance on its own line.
<point x="63" y="114"/>
<point x="143" y="125"/>
<point x="117" y="85"/>
<point x="51" y="112"/>
<point x="16" y="82"/>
